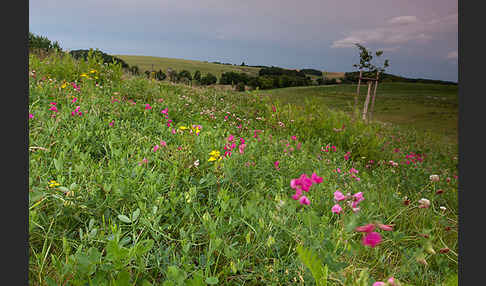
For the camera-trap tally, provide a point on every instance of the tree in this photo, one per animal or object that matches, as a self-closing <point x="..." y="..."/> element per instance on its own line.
<point x="185" y="76"/>
<point x="160" y="75"/>
<point x="197" y="76"/>
<point x="209" y="79"/>
<point x="365" y="62"/>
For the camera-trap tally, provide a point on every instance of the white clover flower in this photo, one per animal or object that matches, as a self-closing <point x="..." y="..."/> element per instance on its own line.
<point x="434" y="178"/>
<point x="424" y="203"/>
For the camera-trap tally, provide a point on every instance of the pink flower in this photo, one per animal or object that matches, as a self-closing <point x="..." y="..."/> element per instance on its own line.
<point x="242" y="141"/>
<point x="297" y="194"/>
<point x="144" y="161"/>
<point x="385" y="227"/>
<point x="156" y="147"/>
<point x="242" y="148"/>
<point x="147" y="106"/>
<point x="74" y="100"/>
<point x="53" y="108"/>
<point x="163" y="143"/>
<point x="299" y="145"/>
<point x="294" y="137"/>
<point x="173" y="131"/>
<point x="316" y="179"/>
<point x="366" y="228"/>
<point x="379" y="283"/>
<point x="353" y="171"/>
<point x="274" y="109"/>
<point x="358" y="197"/>
<point x="161" y="99"/>
<point x="31" y="115"/>
<point x="276" y="164"/>
<point x="304" y="200"/>
<point x="346" y="156"/>
<point x="336" y="209"/>
<point x="53" y="103"/>
<point x="111" y="123"/>
<point x="165" y="111"/>
<point x="338" y="196"/>
<point x="391" y="281"/>
<point x="230" y="138"/>
<point x="338" y="170"/>
<point x="371" y="239"/>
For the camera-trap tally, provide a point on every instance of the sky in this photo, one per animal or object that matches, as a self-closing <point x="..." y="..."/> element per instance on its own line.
<point x="419" y="38"/>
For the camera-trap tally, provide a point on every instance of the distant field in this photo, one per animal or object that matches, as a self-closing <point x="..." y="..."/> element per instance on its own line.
<point x="147" y="63"/>
<point x="426" y="107"/>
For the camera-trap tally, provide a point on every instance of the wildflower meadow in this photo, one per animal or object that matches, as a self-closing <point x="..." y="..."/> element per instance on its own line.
<point x="134" y="181"/>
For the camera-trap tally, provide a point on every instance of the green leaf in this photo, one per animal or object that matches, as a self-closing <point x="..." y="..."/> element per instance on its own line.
<point x="124" y="218"/>
<point x="212" y="280"/>
<point x="319" y="272"/>
<point x="135" y="214"/>
<point x="123" y="279"/>
<point x="197" y="279"/>
<point x="58" y="164"/>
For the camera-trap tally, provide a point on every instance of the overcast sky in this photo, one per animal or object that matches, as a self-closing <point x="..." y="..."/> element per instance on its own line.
<point x="420" y="38"/>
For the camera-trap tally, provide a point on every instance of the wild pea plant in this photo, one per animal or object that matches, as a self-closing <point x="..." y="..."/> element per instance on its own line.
<point x="140" y="182"/>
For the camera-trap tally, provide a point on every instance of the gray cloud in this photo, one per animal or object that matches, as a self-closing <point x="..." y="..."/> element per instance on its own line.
<point x="273" y="32"/>
<point x="400" y="30"/>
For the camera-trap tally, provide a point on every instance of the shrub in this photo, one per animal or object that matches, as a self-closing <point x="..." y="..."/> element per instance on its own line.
<point x="209" y="79"/>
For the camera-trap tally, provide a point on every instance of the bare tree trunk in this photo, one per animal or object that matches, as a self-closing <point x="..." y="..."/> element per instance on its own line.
<point x="374" y="95"/>
<point x="367" y="101"/>
<point x="357" y="94"/>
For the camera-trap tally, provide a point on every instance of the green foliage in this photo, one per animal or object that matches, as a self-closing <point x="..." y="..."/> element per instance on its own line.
<point x="197" y="75"/>
<point x="106" y="58"/>
<point x="42" y="43"/>
<point x="318" y="270"/>
<point x="208" y="79"/>
<point x="312" y="72"/>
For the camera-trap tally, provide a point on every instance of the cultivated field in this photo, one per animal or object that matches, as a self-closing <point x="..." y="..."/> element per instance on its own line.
<point x="146" y="63"/>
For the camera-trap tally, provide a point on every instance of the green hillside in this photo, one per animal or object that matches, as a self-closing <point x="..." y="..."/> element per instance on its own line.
<point x="156" y="63"/>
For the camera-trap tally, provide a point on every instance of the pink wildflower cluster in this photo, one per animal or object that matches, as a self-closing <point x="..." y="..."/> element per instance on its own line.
<point x="390" y="282"/>
<point x="352" y="173"/>
<point x="76" y="87"/>
<point x="329" y="148"/>
<point x="303" y="183"/>
<point x="53" y="106"/>
<point x="372" y="238"/>
<point x="148" y="107"/>
<point x="228" y="147"/>
<point x="351" y="200"/>
<point x="413" y="158"/>
<point x="76" y="111"/>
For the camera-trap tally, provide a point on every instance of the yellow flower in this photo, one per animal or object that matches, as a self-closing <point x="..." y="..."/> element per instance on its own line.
<point x="53" y="184"/>
<point x="211" y="159"/>
<point x="84" y="75"/>
<point x="183" y="128"/>
<point x="64" y="85"/>
<point x="92" y="71"/>
<point x="214" y="153"/>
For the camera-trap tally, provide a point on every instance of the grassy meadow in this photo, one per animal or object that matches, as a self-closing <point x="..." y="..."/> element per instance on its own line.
<point x="426" y="107"/>
<point x="139" y="182"/>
